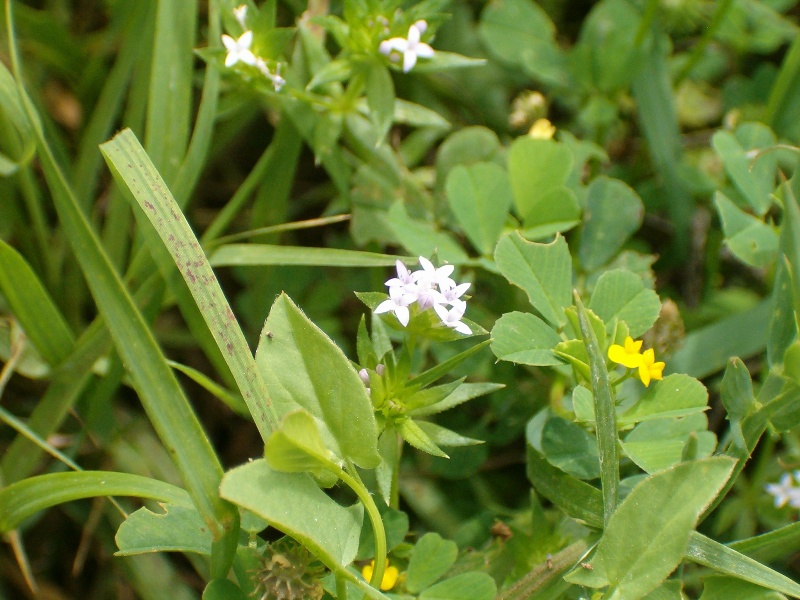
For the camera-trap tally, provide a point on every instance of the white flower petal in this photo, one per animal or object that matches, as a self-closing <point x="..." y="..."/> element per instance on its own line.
<point x="413" y="35"/>
<point x="245" y="40"/>
<point x="462" y="328"/>
<point x="424" y="51"/>
<point x="384" y="307"/>
<point x="402" y="315"/>
<point x="229" y="43"/>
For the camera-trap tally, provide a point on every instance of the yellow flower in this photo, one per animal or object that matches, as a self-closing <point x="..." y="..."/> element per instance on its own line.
<point x="542" y="129"/>
<point x="627" y="355"/>
<point x="390" y="575"/>
<point x="649" y="368"/>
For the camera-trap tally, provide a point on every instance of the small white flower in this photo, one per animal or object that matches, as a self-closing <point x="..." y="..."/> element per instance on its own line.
<point x="239" y="49"/>
<point x="276" y="79"/>
<point x="240" y="12"/>
<point x="410" y="48"/>
<point x="398" y="304"/>
<point x="431" y="276"/>
<point x="452" y="295"/>
<point x="404" y="279"/>
<point x="784" y="492"/>
<point x="452" y="317"/>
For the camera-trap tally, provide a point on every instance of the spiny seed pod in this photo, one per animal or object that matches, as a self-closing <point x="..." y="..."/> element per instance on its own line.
<point x="288" y="572"/>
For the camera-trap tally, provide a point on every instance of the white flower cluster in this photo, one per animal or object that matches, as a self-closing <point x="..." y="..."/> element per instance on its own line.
<point x="785" y="492"/>
<point x="410" y="48"/>
<point x="427" y="287"/>
<point x="239" y="51"/>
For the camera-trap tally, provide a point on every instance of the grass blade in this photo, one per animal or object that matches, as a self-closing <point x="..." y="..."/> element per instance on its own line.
<point x="134" y="172"/>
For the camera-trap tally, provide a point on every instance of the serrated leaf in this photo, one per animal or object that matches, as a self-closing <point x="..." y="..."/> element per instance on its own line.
<point x="480" y="196"/>
<point x="613" y="213"/>
<point x="538" y="170"/>
<point x="414" y="435"/>
<point x="441" y="436"/>
<point x="677" y="395"/>
<point x="658" y="444"/>
<point x="431" y="558"/>
<point x="543" y="271"/>
<point x="475" y="586"/>
<point x="621" y="295"/>
<point x="751" y="240"/>
<point x="465" y="392"/>
<point x="755" y="179"/>
<point x="524" y="338"/>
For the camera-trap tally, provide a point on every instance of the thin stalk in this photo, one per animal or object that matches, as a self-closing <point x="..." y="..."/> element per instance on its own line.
<point x="374" y="516"/>
<point x="341" y="587"/>
<point x="700" y="48"/>
<point x="605" y="415"/>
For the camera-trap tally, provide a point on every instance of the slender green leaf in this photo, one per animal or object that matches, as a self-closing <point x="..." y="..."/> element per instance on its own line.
<point x="237" y="255"/>
<point x="20" y="500"/>
<point x="135" y="173"/>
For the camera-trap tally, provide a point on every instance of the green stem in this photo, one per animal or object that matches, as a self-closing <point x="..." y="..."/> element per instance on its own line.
<point x="699" y="50"/>
<point x="355" y="484"/>
<point x="605" y="414"/>
<point x="341" y="587"/>
<point x="628" y="374"/>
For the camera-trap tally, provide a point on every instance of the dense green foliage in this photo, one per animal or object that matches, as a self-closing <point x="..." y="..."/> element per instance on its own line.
<point x="207" y="384"/>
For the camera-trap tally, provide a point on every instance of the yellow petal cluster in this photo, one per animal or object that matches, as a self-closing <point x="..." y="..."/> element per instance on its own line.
<point x="542" y="129"/>
<point x="390" y="575"/>
<point x="630" y="356"/>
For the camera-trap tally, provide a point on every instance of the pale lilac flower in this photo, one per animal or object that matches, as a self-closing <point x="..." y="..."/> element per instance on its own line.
<point x="239" y="49"/>
<point x="431" y="276"/>
<point x="398" y="304"/>
<point x="240" y="12"/>
<point x="784" y="492"/>
<point x="452" y="317"/>
<point x="404" y="279"/>
<point x="411" y="48"/>
<point x="364" y="375"/>
<point x="428" y="296"/>
<point x="452" y="295"/>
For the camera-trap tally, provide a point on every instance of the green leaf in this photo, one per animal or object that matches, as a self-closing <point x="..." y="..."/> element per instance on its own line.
<point x="244" y="255"/>
<point x="303" y="368"/>
<point x="669" y="590"/>
<point x="465" y="147"/>
<point x="751" y="240"/>
<point x="543" y="271"/>
<point x="475" y="586"/>
<point x="177" y="529"/>
<point x="295" y="505"/>
<point x="570" y="448"/>
<point x="782" y="329"/>
<point x="422" y="238"/>
<point x="648" y="533"/>
<point x="32" y="306"/>
<point x="521" y="33"/>
<point x="574" y="352"/>
<point x="609" y="50"/>
<point x="613" y="213"/>
<point x="538" y="170"/>
<point x="20" y="500"/>
<point x="431" y="558"/>
<point x="524" y="338"/>
<point x="755" y="179"/>
<point x="137" y="177"/>
<point x="464" y="392"/>
<point x="395" y="522"/>
<point x="736" y="391"/>
<point x="380" y="97"/>
<point x="621" y="295"/>
<point x="441" y="61"/>
<point x="297" y="447"/>
<point x="414" y="435"/>
<point x="446" y="367"/>
<point x="712" y="554"/>
<point x="480" y="196"/>
<point x="676" y="395"/>
<point x="575" y="497"/>
<point x="441" y="436"/>
<point x="720" y="587"/>
<point x="658" y="444"/>
<point x="223" y="589"/>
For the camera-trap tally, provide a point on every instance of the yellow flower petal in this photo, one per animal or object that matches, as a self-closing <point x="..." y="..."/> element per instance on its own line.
<point x="649" y="369"/>
<point x="542" y="129"/>
<point x="627" y="355"/>
<point x="390" y="575"/>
